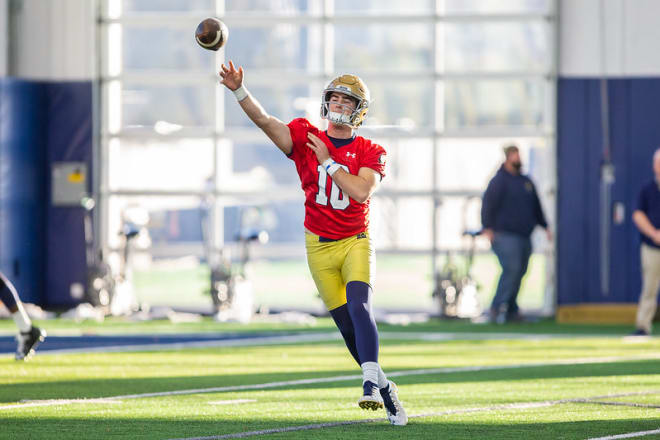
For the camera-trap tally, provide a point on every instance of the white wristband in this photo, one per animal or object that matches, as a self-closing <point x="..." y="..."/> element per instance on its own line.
<point x="332" y="169"/>
<point x="326" y="163"/>
<point x="241" y="93"/>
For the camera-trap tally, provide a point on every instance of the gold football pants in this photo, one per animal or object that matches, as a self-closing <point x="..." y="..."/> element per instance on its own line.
<point x="333" y="264"/>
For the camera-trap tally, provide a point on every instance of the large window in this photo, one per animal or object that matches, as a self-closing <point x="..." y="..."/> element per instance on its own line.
<point x="452" y="81"/>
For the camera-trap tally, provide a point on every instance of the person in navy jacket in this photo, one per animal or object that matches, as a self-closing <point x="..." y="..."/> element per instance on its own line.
<point x="647" y="219"/>
<point x="510" y="211"/>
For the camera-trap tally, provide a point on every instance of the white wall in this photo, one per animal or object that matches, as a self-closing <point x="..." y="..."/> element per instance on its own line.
<point x="630" y="37"/>
<point x="53" y="40"/>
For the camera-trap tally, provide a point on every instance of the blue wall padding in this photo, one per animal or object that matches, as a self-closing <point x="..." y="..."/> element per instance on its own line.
<point x="634" y="134"/>
<point x="69" y="139"/>
<point x="22" y="186"/>
<point x="42" y="123"/>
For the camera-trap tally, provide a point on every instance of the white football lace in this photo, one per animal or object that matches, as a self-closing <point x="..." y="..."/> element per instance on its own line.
<point x="212" y="43"/>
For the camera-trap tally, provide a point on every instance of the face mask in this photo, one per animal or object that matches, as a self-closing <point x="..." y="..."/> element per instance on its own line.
<point x="339" y="118"/>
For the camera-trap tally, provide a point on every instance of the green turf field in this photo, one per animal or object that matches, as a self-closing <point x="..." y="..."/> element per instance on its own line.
<point x="457" y="381"/>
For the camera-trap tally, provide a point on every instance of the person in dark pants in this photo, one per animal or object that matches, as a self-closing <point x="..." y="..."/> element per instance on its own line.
<point x="29" y="336"/>
<point x="647" y="220"/>
<point x="509" y="212"/>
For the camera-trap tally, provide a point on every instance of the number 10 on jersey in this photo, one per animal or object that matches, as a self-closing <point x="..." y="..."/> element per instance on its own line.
<point x="337" y="198"/>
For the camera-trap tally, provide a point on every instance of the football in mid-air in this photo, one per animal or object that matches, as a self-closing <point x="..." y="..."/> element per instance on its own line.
<point x="211" y="34"/>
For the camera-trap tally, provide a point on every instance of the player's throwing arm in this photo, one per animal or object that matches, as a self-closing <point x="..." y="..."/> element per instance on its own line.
<point x="275" y="129"/>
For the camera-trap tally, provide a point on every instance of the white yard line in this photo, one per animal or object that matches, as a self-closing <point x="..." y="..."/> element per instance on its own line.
<point x="231" y="402"/>
<point x="56" y="402"/>
<point x="628" y="435"/>
<point x="256" y="386"/>
<point x="632" y="404"/>
<point x="597" y="399"/>
<point x="269" y="385"/>
<point x="390" y="374"/>
<point x="285" y="429"/>
<point x="362" y="421"/>
<point x="510" y="406"/>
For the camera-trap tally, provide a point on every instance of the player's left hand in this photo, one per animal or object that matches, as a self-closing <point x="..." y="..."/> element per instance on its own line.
<point x="231" y="78"/>
<point x="318" y="147"/>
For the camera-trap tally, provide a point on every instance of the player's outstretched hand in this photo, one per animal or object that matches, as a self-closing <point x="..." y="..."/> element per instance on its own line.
<point x="318" y="147"/>
<point x="231" y="78"/>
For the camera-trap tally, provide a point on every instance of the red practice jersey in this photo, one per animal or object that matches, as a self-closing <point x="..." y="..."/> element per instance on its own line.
<point x="328" y="211"/>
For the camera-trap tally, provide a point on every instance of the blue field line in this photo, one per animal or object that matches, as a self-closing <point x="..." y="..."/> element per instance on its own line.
<point x="59" y="344"/>
<point x="114" y="343"/>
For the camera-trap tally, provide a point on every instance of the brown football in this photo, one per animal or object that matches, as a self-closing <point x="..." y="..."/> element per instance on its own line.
<point x="211" y="34"/>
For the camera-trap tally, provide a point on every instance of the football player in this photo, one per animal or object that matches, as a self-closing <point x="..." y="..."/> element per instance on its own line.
<point x="29" y="336"/>
<point x="339" y="171"/>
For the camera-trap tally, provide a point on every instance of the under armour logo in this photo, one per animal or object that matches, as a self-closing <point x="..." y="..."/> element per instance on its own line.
<point x="348" y="154"/>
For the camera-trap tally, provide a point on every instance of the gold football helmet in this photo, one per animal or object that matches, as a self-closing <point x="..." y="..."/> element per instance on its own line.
<point x="350" y="85"/>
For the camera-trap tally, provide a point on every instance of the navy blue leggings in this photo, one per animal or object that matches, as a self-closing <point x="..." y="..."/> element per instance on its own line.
<point x="345" y="326"/>
<point x="357" y="324"/>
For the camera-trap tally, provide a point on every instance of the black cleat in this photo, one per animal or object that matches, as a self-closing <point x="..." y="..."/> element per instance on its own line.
<point x="27" y="342"/>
